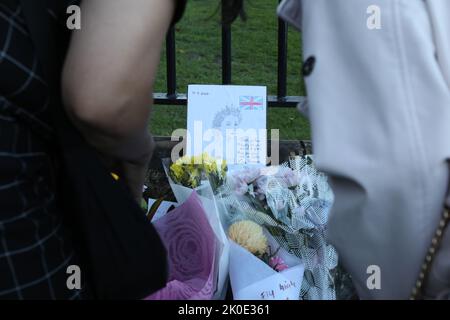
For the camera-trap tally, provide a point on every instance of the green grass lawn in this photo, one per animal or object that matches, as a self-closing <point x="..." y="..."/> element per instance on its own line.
<point x="254" y="62"/>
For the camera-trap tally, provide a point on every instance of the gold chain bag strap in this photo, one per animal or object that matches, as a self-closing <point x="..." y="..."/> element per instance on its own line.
<point x="417" y="292"/>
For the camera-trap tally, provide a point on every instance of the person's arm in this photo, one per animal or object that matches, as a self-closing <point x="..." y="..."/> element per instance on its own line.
<point x="108" y="78"/>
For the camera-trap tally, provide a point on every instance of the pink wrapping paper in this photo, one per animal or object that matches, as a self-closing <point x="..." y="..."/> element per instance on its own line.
<point x="191" y="245"/>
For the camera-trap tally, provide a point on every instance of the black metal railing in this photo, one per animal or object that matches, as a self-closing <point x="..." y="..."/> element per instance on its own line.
<point x="171" y="97"/>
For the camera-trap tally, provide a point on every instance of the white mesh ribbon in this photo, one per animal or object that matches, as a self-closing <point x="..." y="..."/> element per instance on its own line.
<point x="295" y="211"/>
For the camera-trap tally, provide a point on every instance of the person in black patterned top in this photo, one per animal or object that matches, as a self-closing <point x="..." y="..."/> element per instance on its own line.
<point x="106" y="81"/>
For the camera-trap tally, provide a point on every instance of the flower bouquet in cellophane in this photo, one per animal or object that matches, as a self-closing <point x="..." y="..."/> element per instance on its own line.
<point x="259" y="268"/>
<point x="192" y="171"/>
<point x="291" y="202"/>
<point x="192" y="249"/>
<point x="204" y="175"/>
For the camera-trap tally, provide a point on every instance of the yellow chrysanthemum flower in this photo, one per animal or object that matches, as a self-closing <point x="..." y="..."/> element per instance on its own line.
<point x="208" y="159"/>
<point x="177" y="171"/>
<point x="211" y="168"/>
<point x="183" y="160"/>
<point x="197" y="160"/>
<point x="194" y="179"/>
<point x="188" y="170"/>
<point x="250" y="236"/>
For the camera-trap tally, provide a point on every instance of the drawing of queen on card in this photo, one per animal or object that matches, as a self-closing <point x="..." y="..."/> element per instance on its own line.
<point x="228" y="120"/>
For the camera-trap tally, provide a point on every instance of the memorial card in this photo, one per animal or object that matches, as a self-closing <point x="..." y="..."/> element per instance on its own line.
<point x="228" y="122"/>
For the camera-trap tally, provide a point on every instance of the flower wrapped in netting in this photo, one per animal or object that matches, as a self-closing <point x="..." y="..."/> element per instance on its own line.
<point x="292" y="202"/>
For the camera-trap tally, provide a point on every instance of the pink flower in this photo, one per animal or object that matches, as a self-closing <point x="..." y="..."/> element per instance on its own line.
<point x="249" y="175"/>
<point x="288" y="177"/>
<point x="260" y="195"/>
<point x="277" y="264"/>
<point x="261" y="184"/>
<point x="240" y="186"/>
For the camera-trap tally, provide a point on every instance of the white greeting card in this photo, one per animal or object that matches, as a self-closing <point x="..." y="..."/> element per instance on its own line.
<point x="228" y="122"/>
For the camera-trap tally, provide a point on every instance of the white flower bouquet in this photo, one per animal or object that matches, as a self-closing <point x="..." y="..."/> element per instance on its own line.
<point x="291" y="202"/>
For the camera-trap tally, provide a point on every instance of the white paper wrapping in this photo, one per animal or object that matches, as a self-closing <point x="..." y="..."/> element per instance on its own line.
<point x="252" y="279"/>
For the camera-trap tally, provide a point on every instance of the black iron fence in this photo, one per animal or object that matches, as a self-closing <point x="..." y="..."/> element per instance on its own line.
<point x="171" y="97"/>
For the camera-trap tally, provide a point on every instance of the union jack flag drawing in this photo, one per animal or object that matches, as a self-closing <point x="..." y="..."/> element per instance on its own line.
<point x="251" y="103"/>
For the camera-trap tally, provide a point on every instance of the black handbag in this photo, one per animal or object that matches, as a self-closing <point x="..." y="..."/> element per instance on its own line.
<point x="122" y="256"/>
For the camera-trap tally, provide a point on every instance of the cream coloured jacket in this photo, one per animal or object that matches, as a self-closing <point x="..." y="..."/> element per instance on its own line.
<point x="379" y="106"/>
